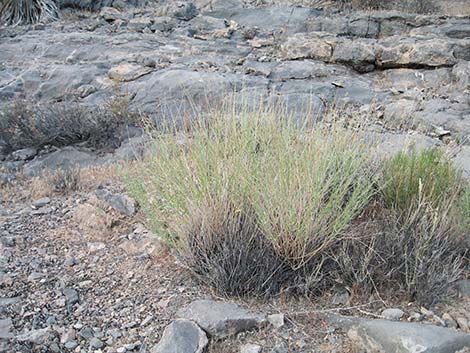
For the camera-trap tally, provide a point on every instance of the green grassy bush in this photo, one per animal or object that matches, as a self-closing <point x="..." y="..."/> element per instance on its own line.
<point x="255" y="204"/>
<point x="413" y="177"/>
<point x="299" y="187"/>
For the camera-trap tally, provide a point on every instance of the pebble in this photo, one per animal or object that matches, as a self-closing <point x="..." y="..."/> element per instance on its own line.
<point x="393" y="314"/>
<point x="41" y="202"/>
<point x="71" y="295"/>
<point x="96" y="343"/>
<point x="277" y="320"/>
<point x="449" y="321"/>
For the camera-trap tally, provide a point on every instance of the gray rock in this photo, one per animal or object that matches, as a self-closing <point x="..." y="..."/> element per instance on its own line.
<point x="462" y="160"/>
<point x="182" y="336"/>
<point x="71" y="344"/>
<point x="86" y="332"/>
<point x="41" y="202"/>
<point x="250" y="348"/>
<point x="220" y="319"/>
<point x="188" y="12"/>
<point x="96" y="343"/>
<point x="5" y="327"/>
<point x="38" y="337"/>
<point x="67" y="157"/>
<point x="358" y="55"/>
<point x="463" y="287"/>
<point x="139" y="24"/>
<point x="288" y="18"/>
<point x="71" y="295"/>
<point x="42" y="211"/>
<point x="4" y="302"/>
<point x="393" y="314"/>
<point x="281" y="348"/>
<point x="25" y="154"/>
<point x="388" y="145"/>
<point x="35" y="276"/>
<point x="384" y="336"/>
<point x="277" y="320"/>
<point x="6" y="178"/>
<point x="119" y="202"/>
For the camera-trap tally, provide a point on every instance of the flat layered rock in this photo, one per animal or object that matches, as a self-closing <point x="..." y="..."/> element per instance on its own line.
<point x="220" y="319"/>
<point x="384" y="336"/>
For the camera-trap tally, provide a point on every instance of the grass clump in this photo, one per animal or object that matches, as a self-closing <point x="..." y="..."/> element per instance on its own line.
<point x="64" y="181"/>
<point x="411" y="177"/>
<point x="18" y="12"/>
<point x="240" y="179"/>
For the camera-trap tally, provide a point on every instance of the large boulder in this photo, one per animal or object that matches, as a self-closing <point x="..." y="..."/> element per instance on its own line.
<point x="384" y="336"/>
<point x="220" y="319"/>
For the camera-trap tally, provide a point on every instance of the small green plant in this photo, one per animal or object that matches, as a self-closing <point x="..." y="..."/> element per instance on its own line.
<point x="463" y="212"/>
<point x="413" y="177"/>
<point x="17" y="12"/>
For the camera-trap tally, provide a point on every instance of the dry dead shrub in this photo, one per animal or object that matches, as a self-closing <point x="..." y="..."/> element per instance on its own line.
<point x="224" y="246"/>
<point x="413" y="254"/>
<point x="23" y="124"/>
<point x="64" y="181"/>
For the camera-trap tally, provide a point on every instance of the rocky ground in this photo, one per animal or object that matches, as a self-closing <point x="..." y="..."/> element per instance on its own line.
<point x="80" y="273"/>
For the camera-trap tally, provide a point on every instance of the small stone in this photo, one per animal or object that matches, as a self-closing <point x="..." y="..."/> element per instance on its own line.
<point x="71" y="344"/>
<point x="51" y="320"/>
<point x="24" y="154"/>
<point x="71" y="261"/>
<point x="41" y="211"/>
<point x="41" y="202"/>
<point x="146" y="320"/>
<point x="96" y="343"/>
<point x="182" y="336"/>
<point x="220" y="319"/>
<point x="463" y="323"/>
<point x="340" y="298"/>
<point x="428" y="314"/>
<point x="277" y="320"/>
<point x="54" y="347"/>
<point x="121" y="350"/>
<point x="71" y="295"/>
<point x="38" y="337"/>
<point x="281" y="348"/>
<point x="35" y="276"/>
<point x="250" y="348"/>
<point x="449" y="321"/>
<point x="86" y="333"/>
<point x="415" y="317"/>
<point x="392" y="314"/>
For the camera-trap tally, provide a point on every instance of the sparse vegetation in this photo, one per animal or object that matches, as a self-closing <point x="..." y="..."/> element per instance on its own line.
<point x="17" y="12"/>
<point x="415" y="6"/>
<point x="24" y="125"/>
<point x="64" y="180"/>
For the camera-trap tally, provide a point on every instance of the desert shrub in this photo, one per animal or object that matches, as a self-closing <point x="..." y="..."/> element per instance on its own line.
<point x="64" y="180"/>
<point x="413" y="177"/>
<point x="16" y="12"/>
<point x="246" y="186"/>
<point x="463" y="211"/>
<point x="416" y="6"/>
<point x="32" y="125"/>
<point x="414" y="255"/>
